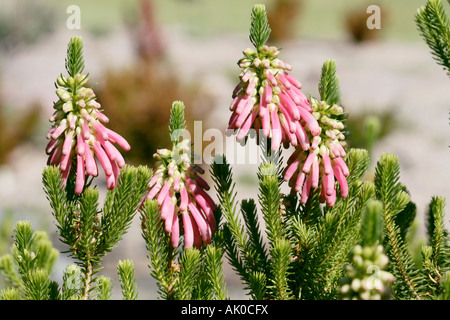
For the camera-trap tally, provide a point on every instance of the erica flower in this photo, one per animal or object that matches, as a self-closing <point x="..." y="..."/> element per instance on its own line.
<point x="269" y="98"/>
<point x="78" y="136"/>
<point x="180" y="192"/>
<point x="323" y="163"/>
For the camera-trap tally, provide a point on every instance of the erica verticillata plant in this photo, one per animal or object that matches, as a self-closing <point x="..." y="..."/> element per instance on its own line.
<point x="78" y="136"/>
<point x="78" y="139"/>
<point x="268" y="97"/>
<point x="180" y="190"/>
<point x="178" y="207"/>
<point x="270" y="100"/>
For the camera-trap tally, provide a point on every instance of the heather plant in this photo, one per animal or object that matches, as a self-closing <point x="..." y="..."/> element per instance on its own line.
<point x="434" y="26"/>
<point x="338" y="233"/>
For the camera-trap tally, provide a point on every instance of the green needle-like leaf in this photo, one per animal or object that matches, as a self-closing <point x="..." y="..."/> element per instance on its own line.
<point x="259" y="28"/>
<point x="74" y="59"/>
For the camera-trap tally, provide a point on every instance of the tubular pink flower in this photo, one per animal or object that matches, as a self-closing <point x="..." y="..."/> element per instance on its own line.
<point x="293" y="80"/>
<point x="207" y="209"/>
<point x="175" y="236"/>
<point x="197" y="235"/>
<point x="51" y="146"/>
<point x="110" y="182"/>
<point x="202" y="225"/>
<point x="269" y="98"/>
<point x="91" y="166"/>
<point x="103" y="158"/>
<point x="170" y="215"/>
<point x="276" y="130"/>
<point x="163" y="192"/>
<point x="188" y="230"/>
<point x="180" y="190"/>
<point x="184" y="200"/>
<point x="78" y="135"/>
<point x="80" y="145"/>
<point x="79" y="183"/>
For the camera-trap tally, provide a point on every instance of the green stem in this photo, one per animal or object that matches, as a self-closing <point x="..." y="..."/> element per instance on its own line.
<point x="88" y="270"/>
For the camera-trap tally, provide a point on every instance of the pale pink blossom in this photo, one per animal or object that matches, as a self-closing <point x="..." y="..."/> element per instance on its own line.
<point x="322" y="164"/>
<point x="79" y="137"/>
<point x="180" y="192"/>
<point x="269" y="98"/>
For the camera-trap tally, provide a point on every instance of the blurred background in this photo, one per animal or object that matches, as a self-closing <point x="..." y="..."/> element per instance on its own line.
<point x="144" y="54"/>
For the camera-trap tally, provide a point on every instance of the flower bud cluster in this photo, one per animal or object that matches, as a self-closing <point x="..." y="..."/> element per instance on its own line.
<point x="78" y="136"/>
<point x="269" y="98"/>
<point x="323" y="159"/>
<point x="365" y="278"/>
<point x="180" y="192"/>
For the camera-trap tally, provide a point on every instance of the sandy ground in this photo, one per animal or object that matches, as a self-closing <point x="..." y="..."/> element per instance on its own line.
<point x="373" y="76"/>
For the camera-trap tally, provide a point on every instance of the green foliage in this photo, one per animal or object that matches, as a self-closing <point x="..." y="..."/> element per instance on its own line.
<point x="436" y="254"/>
<point x="72" y="280"/>
<point x="372" y="229"/>
<point x="158" y="247"/>
<point x="326" y="239"/>
<point x="177" y="124"/>
<point x="329" y="83"/>
<point x="27" y="268"/>
<point x="307" y="245"/>
<point x="90" y="232"/>
<point x="104" y="288"/>
<point x="181" y="275"/>
<point x="390" y="192"/>
<point x="127" y="279"/>
<point x="74" y="59"/>
<point x="259" y="28"/>
<point x="10" y="294"/>
<point x="214" y="270"/>
<point x="280" y="248"/>
<point x="242" y="254"/>
<point x="434" y="27"/>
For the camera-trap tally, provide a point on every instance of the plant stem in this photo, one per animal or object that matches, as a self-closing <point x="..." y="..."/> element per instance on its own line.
<point x="87" y="280"/>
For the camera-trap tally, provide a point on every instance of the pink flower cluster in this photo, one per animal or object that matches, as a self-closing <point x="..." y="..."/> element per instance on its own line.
<point x="180" y="190"/>
<point x="78" y="136"/>
<point x="323" y="159"/>
<point x="269" y="98"/>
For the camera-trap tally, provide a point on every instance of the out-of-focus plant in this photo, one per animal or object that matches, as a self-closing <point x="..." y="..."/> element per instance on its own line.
<point x="24" y="22"/>
<point x="365" y="277"/>
<point x="6" y="227"/>
<point x="283" y="15"/>
<point x="16" y="128"/>
<point x="136" y="99"/>
<point x="145" y="32"/>
<point x="356" y="24"/>
<point x="136" y="102"/>
<point x="365" y="129"/>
